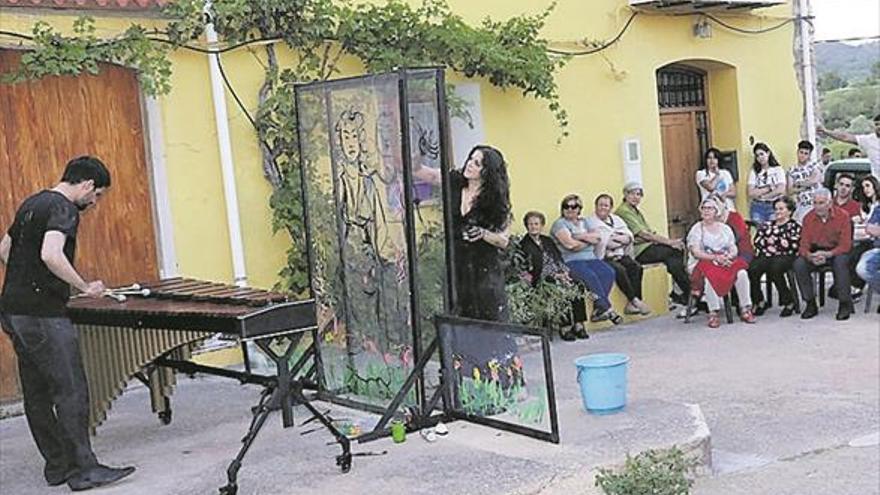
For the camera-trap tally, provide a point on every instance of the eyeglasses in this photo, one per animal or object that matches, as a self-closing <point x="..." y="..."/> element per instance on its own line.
<point x="572" y="206"/>
<point x="637" y="192"/>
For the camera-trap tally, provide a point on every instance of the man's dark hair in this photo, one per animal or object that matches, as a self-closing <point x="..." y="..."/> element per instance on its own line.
<point x="85" y="168"/>
<point x="853" y="152"/>
<point x="825" y="150"/>
<point x="845" y="176"/>
<point x="805" y="145"/>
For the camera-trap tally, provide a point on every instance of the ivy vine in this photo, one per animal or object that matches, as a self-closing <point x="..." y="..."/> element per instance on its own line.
<point x="508" y="54"/>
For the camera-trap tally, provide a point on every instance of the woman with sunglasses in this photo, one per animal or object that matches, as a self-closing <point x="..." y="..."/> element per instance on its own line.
<point x="577" y="245"/>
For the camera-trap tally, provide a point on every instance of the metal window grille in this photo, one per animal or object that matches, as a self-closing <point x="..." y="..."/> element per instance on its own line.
<point x="680" y="87"/>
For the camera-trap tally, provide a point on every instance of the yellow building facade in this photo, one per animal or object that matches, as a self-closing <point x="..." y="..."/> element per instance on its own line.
<point x="611" y="97"/>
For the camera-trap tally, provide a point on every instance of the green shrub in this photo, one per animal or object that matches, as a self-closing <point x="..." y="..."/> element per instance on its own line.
<point x="653" y="472"/>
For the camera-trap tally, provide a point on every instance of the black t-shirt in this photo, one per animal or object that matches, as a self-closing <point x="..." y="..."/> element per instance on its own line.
<point x="30" y="288"/>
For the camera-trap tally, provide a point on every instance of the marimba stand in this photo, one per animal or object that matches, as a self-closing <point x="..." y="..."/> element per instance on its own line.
<point x="279" y="392"/>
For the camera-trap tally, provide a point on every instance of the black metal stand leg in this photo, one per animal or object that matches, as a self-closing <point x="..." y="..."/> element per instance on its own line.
<point x="165" y="414"/>
<point x="343" y="460"/>
<point x="259" y="419"/>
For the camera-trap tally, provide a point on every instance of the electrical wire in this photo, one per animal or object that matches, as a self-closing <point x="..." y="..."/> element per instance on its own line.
<point x="601" y="47"/>
<point x="235" y="95"/>
<point x="752" y="31"/>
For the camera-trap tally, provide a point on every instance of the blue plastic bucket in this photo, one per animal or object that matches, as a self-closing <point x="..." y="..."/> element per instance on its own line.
<point x="602" y="378"/>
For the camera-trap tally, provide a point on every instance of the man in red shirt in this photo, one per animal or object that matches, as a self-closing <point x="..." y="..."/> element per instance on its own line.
<point x="843" y="190"/>
<point x="826" y="239"/>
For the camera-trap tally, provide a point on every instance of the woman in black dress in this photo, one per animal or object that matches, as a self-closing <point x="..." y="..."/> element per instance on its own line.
<point x="480" y="219"/>
<point x="480" y="209"/>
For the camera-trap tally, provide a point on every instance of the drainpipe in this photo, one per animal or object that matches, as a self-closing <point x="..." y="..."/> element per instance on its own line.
<point x="807" y="67"/>
<point x="226" y="165"/>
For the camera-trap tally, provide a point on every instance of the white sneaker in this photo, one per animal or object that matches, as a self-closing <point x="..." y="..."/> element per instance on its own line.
<point x="632" y="308"/>
<point x="441" y="429"/>
<point x="428" y="435"/>
<point x="683" y="312"/>
<point x="644" y="309"/>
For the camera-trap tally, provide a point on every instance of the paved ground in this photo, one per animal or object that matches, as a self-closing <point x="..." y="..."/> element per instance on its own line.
<point x="792" y="409"/>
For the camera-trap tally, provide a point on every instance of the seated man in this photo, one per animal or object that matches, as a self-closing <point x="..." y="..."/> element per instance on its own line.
<point x="868" y="268"/>
<point x="843" y="195"/>
<point x="651" y="247"/>
<point x="826" y="239"/>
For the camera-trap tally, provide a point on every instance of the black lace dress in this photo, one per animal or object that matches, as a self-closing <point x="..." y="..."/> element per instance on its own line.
<point x="480" y="281"/>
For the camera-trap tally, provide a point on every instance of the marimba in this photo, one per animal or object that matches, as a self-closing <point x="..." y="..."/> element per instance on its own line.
<point x="151" y="331"/>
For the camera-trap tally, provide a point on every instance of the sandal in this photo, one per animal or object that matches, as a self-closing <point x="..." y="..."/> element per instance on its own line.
<point x="714" y="320"/>
<point x="614" y="317"/>
<point x="747" y="316"/>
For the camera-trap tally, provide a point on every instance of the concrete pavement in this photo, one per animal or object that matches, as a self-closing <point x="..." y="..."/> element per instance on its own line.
<point x="783" y="401"/>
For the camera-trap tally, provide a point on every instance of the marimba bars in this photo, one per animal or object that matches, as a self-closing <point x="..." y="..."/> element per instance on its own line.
<point x="152" y="331"/>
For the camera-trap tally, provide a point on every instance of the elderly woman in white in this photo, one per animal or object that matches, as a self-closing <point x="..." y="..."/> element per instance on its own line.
<point x="714" y="262"/>
<point x="615" y="247"/>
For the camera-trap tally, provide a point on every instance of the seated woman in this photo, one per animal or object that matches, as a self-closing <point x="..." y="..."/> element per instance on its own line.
<point x="545" y="263"/>
<point x="576" y="243"/>
<point x="776" y="243"/>
<point x="615" y="247"/>
<point x="714" y="263"/>
<point x="869" y="193"/>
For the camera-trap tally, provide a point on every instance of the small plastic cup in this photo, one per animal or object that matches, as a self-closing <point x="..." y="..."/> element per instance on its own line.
<point x="398" y="431"/>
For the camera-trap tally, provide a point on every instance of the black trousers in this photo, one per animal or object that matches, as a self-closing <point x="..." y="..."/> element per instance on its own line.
<point x="628" y="276"/>
<point x="803" y="269"/>
<point x="56" y="393"/>
<point x="674" y="261"/>
<point x="775" y="267"/>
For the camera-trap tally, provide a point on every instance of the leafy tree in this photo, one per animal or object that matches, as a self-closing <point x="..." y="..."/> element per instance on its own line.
<point x="830" y="81"/>
<point x="839" y="107"/>
<point x="508" y="54"/>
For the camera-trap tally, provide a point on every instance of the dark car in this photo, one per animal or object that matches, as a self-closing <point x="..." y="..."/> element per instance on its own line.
<point x="857" y="167"/>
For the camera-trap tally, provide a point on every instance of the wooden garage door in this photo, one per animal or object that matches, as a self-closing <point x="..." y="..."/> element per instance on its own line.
<point x="45" y="123"/>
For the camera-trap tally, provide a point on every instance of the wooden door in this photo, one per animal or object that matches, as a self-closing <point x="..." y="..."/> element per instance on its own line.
<point x="681" y="158"/>
<point x="43" y="124"/>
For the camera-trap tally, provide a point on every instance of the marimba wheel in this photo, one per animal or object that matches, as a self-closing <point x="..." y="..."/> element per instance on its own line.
<point x="165" y="417"/>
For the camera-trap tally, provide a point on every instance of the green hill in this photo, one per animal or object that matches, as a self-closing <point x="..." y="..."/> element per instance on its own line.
<point x="851" y="62"/>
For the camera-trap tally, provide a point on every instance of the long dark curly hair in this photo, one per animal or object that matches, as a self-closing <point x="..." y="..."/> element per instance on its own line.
<point x="866" y="201"/>
<point x="492" y="205"/>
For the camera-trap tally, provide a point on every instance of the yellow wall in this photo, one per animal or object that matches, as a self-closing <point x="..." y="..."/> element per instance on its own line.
<point x="609" y="97"/>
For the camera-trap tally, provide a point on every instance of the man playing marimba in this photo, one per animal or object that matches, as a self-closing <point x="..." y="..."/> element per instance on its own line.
<point x="38" y="251"/>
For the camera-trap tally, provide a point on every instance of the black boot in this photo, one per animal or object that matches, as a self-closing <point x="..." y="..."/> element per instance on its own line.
<point x="760" y="308"/>
<point x="811" y="310"/>
<point x="567" y="334"/>
<point x="580" y="331"/>
<point x="787" y="310"/>
<point x="844" y="310"/>
<point x="97" y="476"/>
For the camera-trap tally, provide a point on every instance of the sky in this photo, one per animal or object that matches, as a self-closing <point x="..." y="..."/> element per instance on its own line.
<point x="837" y="19"/>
